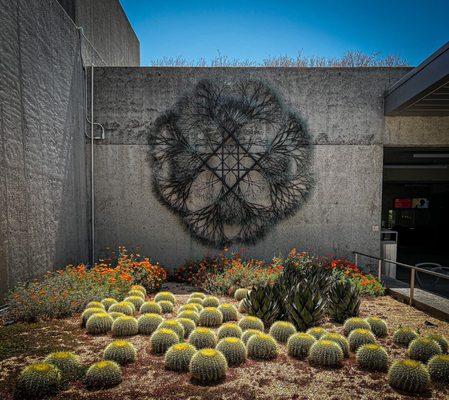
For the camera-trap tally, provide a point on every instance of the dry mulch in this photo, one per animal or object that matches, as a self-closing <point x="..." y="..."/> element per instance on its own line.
<point x="284" y="378"/>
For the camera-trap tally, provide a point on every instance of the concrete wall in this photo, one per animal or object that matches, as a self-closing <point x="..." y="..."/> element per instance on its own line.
<point x="343" y="109"/>
<point x="43" y="214"/>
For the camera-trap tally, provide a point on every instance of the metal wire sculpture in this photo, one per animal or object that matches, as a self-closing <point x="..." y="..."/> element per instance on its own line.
<point x="231" y="161"/>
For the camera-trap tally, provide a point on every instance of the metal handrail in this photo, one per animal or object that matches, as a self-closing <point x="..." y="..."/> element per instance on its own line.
<point x="412" y="268"/>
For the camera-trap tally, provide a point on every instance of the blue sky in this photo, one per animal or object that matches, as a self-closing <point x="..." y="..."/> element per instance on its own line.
<point x="253" y="30"/>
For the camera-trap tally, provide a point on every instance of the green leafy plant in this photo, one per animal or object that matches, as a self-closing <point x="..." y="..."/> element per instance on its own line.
<point x="211" y="301"/>
<point x="439" y="368"/>
<point x="229" y="312"/>
<point x="378" y="326"/>
<point x="403" y="336"/>
<point x="372" y="357"/>
<point x="230" y="329"/>
<point x="251" y="322"/>
<point x="103" y="375"/>
<point x="264" y="302"/>
<point x="409" y="376"/>
<point x="299" y="344"/>
<point x="175" y="326"/>
<point x="125" y="326"/>
<point x="203" y="338"/>
<point x="67" y="363"/>
<point x="344" y="300"/>
<point x="150" y="307"/>
<point x="325" y="353"/>
<point x="148" y="323"/>
<point x="423" y="349"/>
<point x="165" y="296"/>
<point x="210" y="317"/>
<point x="187" y="324"/>
<point x="120" y="351"/>
<point x="178" y="357"/>
<point x="340" y="340"/>
<point x="208" y="366"/>
<point x="262" y="347"/>
<point x="282" y="330"/>
<point x="358" y="337"/>
<point x="355" y="323"/>
<point x="162" y="339"/>
<point x="99" y="323"/>
<point x="38" y="381"/>
<point x="233" y="349"/>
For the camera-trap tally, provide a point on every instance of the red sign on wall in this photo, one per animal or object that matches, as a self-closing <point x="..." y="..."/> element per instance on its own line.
<point x="402" y="203"/>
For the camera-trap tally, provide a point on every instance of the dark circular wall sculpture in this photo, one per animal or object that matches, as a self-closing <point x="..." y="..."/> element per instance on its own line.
<point x="231" y="160"/>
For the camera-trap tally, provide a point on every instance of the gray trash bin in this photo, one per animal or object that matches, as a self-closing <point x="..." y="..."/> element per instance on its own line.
<point x="389" y="247"/>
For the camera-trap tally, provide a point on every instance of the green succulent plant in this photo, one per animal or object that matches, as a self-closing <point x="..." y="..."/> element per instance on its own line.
<point x="299" y="344"/>
<point x="148" y="323"/>
<point x="125" y="326"/>
<point x="233" y="349"/>
<point x="95" y="304"/>
<point x="141" y="288"/>
<point x="115" y="314"/>
<point x="439" y="368"/>
<point x="242" y="307"/>
<point x="208" y="366"/>
<point x="441" y="340"/>
<point x="409" y="376"/>
<point x="251" y="322"/>
<point x="195" y="300"/>
<point x="228" y="311"/>
<point x="282" y="330"/>
<point x="423" y="349"/>
<point x="162" y="339"/>
<point x="193" y="315"/>
<point x="120" y="351"/>
<point x="355" y="323"/>
<point x="187" y="324"/>
<point x="108" y="302"/>
<point x="248" y="333"/>
<point x="166" y="306"/>
<point x="102" y="375"/>
<point x="175" y="326"/>
<point x="38" y="381"/>
<point x="230" y="329"/>
<point x="358" y="337"/>
<point x="99" y="323"/>
<point x="136" y="300"/>
<point x="188" y="307"/>
<point x="210" y="301"/>
<point x="264" y="302"/>
<point x="203" y="338"/>
<point x="317" y="332"/>
<point x="210" y="317"/>
<point x="372" y="357"/>
<point x="240" y="294"/>
<point x="88" y="312"/>
<point x="67" y="363"/>
<point x="325" y="353"/>
<point x="197" y="295"/>
<point x="344" y="301"/>
<point x="340" y="340"/>
<point x="121" y="307"/>
<point x="137" y="293"/>
<point x="378" y="326"/>
<point x="130" y="304"/>
<point x="178" y="357"/>
<point x="403" y="336"/>
<point x="262" y="347"/>
<point x="150" y="307"/>
<point x="165" y="296"/>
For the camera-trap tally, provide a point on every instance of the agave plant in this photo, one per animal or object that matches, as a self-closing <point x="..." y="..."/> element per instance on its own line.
<point x="344" y="301"/>
<point x="264" y="302"/>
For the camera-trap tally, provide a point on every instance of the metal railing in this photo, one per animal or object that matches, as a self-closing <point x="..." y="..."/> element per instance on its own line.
<point x="412" y="269"/>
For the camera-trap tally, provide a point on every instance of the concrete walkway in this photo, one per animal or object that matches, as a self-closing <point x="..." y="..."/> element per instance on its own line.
<point x="432" y="304"/>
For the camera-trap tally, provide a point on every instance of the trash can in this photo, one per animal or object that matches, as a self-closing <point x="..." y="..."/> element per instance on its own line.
<point x="389" y="247"/>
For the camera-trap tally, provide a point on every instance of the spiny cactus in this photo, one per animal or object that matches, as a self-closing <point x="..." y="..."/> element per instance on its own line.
<point x="195" y="300"/>
<point x="188" y="325"/>
<point x="136" y="300"/>
<point x="38" y="381"/>
<point x="165" y="296"/>
<point x="423" y="349"/>
<point x="409" y="375"/>
<point x="340" y="340"/>
<point x="124" y="308"/>
<point x="355" y="323"/>
<point x="317" y="332"/>
<point x="120" y="351"/>
<point x="208" y="366"/>
<point x="198" y="295"/>
<point x="137" y="293"/>
<point x="108" y="302"/>
<point x="193" y="315"/>
<point x="243" y="309"/>
<point x="210" y="317"/>
<point x="325" y="353"/>
<point x="166" y="306"/>
<point x="175" y="326"/>
<point x="198" y="307"/>
<point x="299" y="344"/>
<point x="262" y="347"/>
<point x="125" y="326"/>
<point x="439" y="368"/>
<point x="188" y="307"/>
<point x="202" y="338"/>
<point x="88" y="312"/>
<point x="378" y="326"/>
<point x="403" y="336"/>
<point x="248" y="333"/>
<point x="103" y="375"/>
<point x="210" y="301"/>
<point x="115" y="314"/>
<point x="130" y="304"/>
<point x="178" y="357"/>
<point x="282" y="330"/>
<point x="372" y="357"/>
<point x="240" y="294"/>
<point x="251" y="323"/>
<point x="230" y="329"/>
<point x="67" y="363"/>
<point x="150" y="307"/>
<point x="233" y="349"/>
<point x="441" y="340"/>
<point x="141" y="288"/>
<point x="162" y="339"/>
<point x="95" y="304"/>
<point x="359" y="337"/>
<point x="99" y="323"/>
<point x="148" y="323"/>
<point x="229" y="312"/>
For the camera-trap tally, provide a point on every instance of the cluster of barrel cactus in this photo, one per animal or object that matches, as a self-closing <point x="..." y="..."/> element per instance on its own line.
<point x="99" y="323"/>
<point x="178" y="357"/>
<point x="372" y="357"/>
<point x="262" y="347"/>
<point x="210" y="317"/>
<point x="148" y="323"/>
<point x="325" y="353"/>
<point x="403" y="336"/>
<point x="67" y="363"/>
<point x="355" y="323"/>
<point x="228" y="311"/>
<point x="208" y="366"/>
<point x="358" y="337"/>
<point x="233" y="349"/>
<point x="102" y="375"/>
<point x="175" y="326"/>
<point x="340" y="340"/>
<point x="230" y="329"/>
<point x="162" y="339"/>
<point x="203" y="338"/>
<point x="251" y="322"/>
<point x="282" y="330"/>
<point x="409" y="375"/>
<point x="299" y="344"/>
<point x="38" y="380"/>
<point x="125" y="326"/>
<point x="120" y="351"/>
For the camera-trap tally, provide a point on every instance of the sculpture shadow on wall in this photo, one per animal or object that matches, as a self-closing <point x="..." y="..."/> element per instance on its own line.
<point x="231" y="160"/>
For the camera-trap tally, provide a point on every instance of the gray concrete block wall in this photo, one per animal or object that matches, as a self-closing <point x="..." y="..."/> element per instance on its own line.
<point x="343" y="109"/>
